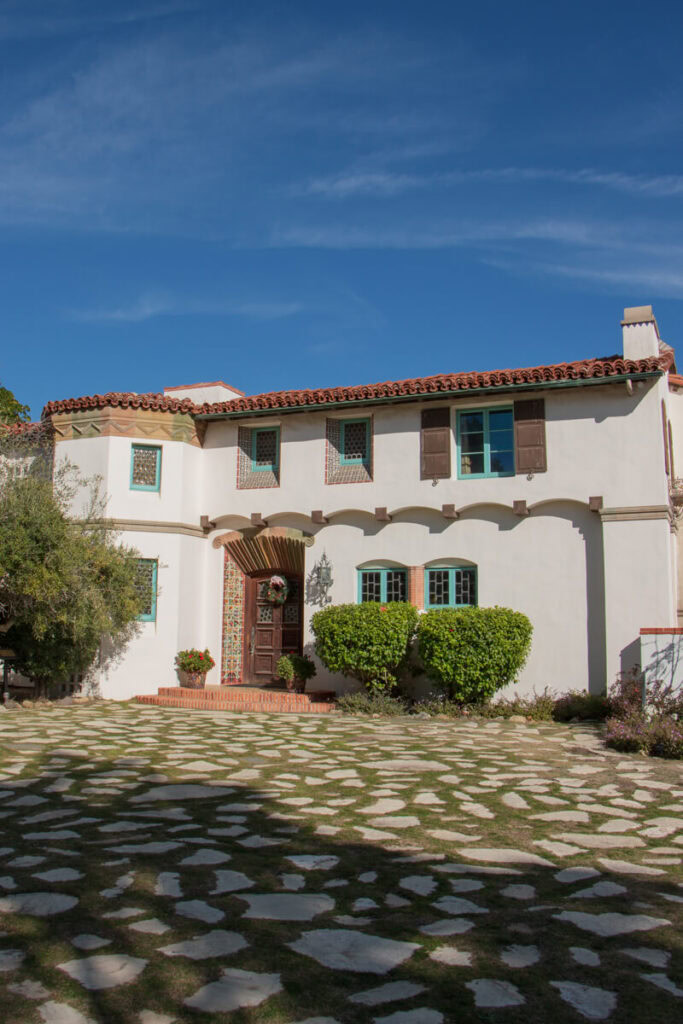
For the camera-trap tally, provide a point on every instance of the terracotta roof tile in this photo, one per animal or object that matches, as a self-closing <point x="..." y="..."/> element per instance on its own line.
<point x="587" y="369"/>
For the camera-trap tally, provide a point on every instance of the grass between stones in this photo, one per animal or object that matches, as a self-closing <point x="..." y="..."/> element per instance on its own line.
<point x="422" y="849"/>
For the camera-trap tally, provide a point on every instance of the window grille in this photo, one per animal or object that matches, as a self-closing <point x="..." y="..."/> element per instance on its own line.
<point x="264" y="450"/>
<point x="146" y="586"/>
<point x="145" y="469"/>
<point x="355" y="442"/>
<point x="382" y="585"/>
<point x="450" y="588"/>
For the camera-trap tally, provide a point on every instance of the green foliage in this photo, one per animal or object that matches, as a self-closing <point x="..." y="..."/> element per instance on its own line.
<point x="581" y="704"/>
<point x="472" y="652"/>
<point x="665" y="738"/>
<point x="194" y="660"/>
<point x="12" y="411"/>
<point x="369" y="642"/>
<point x="377" y="703"/>
<point x="64" y="586"/>
<point x="285" y="668"/>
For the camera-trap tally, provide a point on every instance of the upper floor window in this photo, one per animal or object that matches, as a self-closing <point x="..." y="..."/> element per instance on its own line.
<point x="382" y="585"/>
<point x="258" y="457"/>
<point x="265" y="449"/>
<point x="146" y="585"/>
<point x="348" y="458"/>
<point x="486" y="443"/>
<point x="447" y="587"/>
<point x="355" y="443"/>
<point x="145" y="467"/>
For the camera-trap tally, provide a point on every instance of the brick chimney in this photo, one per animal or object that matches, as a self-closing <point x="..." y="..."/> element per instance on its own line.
<point x="641" y="334"/>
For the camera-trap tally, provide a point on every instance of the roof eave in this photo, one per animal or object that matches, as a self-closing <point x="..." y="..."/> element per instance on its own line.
<point x="504" y="389"/>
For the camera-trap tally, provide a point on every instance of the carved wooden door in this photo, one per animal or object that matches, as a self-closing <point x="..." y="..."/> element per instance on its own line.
<point x="270" y="629"/>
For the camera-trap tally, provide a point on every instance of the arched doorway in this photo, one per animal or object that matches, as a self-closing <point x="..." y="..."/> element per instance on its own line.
<point x="271" y="629"/>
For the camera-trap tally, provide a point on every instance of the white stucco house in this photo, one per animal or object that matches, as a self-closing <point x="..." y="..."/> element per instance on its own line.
<point x="550" y="490"/>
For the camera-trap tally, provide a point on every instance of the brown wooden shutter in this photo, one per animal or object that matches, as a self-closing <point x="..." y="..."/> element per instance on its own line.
<point x="435" y="444"/>
<point x="530" y="450"/>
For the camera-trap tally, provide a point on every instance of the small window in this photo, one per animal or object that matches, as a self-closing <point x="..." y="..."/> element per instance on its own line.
<point x="145" y="467"/>
<point x="355" y="443"/>
<point x="382" y="585"/>
<point x="450" y="588"/>
<point x="265" y="449"/>
<point x="146" y="586"/>
<point x="486" y="443"/>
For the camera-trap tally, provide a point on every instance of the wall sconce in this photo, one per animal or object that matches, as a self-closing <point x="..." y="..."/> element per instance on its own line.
<point x="319" y="582"/>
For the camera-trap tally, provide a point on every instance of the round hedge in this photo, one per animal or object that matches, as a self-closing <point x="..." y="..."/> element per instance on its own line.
<point x="472" y="652"/>
<point x="368" y="642"/>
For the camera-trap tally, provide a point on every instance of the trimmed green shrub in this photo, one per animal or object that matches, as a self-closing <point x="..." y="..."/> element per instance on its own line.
<point x="377" y="703"/>
<point x="581" y="704"/>
<point x="472" y="652"/>
<point x="369" y="642"/>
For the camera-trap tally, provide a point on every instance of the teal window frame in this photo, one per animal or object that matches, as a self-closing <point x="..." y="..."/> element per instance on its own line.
<point x="383" y="571"/>
<point x="343" y="460"/>
<point x="451" y="570"/>
<point x="488" y="473"/>
<point x="151" y="616"/>
<point x="272" y="467"/>
<point x="145" y="487"/>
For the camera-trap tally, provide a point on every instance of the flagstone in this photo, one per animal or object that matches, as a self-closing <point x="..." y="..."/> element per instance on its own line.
<point x="10" y="959"/>
<point x="88" y="941"/>
<point x="384" y="806"/>
<point x="389" y="993"/>
<point x="203" y="947"/>
<point x="62" y="1013"/>
<point x="287" y="906"/>
<point x="345" y="950"/>
<point x="626" y="867"/>
<point x="520" y="956"/>
<point x="151" y="1017"/>
<point x="519" y="892"/>
<point x="458" y="906"/>
<point x="646" y="955"/>
<point x="455" y="926"/>
<point x="106" y="970"/>
<point x="568" y="875"/>
<point x="234" y="990"/>
<point x="168" y="884"/>
<point x="666" y="984"/>
<point x="491" y="994"/>
<point x="585" y="957"/>
<point x="29" y="990"/>
<point x="182" y="791"/>
<point x="205" y="857"/>
<point x="505" y="855"/>
<point x="421" y="1015"/>
<point x="592" y="1003"/>
<point x="198" y="910"/>
<point x="610" y="924"/>
<point x="37" y="904"/>
<point x="151" y="926"/>
<point x="599" y="889"/>
<point x="450" y="956"/>
<point x="313" y="862"/>
<point x="421" y="885"/>
<point x="592" y="841"/>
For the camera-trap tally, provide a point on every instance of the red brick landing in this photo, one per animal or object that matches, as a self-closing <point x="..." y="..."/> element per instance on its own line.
<point x="240" y="698"/>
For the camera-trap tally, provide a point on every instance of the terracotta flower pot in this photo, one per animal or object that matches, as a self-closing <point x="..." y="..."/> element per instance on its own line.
<point x="195" y="680"/>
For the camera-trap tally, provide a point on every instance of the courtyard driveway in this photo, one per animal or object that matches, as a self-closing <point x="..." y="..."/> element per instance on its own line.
<point x="162" y="866"/>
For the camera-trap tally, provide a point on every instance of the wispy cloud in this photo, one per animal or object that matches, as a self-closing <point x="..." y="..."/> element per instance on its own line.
<point x="388" y="184"/>
<point x="151" y="305"/>
<point x="29" y="20"/>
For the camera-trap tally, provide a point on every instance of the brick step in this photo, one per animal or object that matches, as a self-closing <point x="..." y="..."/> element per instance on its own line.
<point x="177" y="697"/>
<point x="236" y="694"/>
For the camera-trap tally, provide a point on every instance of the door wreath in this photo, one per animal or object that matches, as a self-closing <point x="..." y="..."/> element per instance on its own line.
<point x="278" y="589"/>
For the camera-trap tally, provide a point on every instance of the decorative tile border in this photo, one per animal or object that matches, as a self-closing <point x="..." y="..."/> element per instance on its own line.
<point x="233" y="623"/>
<point x="139" y="423"/>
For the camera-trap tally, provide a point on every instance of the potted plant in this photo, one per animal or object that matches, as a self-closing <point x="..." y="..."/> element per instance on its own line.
<point x="295" y="670"/>
<point x="195" y="664"/>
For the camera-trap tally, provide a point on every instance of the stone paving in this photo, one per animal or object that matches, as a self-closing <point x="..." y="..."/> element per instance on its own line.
<point x="160" y="866"/>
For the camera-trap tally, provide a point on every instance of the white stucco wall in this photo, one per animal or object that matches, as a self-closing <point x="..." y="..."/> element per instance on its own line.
<point x="661" y="659"/>
<point x="588" y="586"/>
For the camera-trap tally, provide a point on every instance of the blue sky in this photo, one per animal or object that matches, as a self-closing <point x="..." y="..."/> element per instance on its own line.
<point x="309" y="194"/>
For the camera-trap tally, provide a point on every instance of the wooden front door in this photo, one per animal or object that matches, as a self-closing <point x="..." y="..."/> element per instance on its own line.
<point x="270" y="629"/>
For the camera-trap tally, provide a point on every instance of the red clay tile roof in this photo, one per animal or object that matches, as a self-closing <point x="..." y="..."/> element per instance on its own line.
<point x="587" y="369"/>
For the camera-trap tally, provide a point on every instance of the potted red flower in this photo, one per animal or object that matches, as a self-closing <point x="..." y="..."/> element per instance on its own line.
<point x="195" y="664"/>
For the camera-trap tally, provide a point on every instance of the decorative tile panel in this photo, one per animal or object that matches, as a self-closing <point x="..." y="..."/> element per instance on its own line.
<point x="233" y="622"/>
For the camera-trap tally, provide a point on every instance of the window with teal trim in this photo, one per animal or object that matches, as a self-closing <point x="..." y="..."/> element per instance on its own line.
<point x="146" y="586"/>
<point x="382" y="585"/>
<point x="145" y="467"/>
<point x="486" y="443"/>
<point x="450" y="588"/>
<point x="265" y="449"/>
<point x="354" y="447"/>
